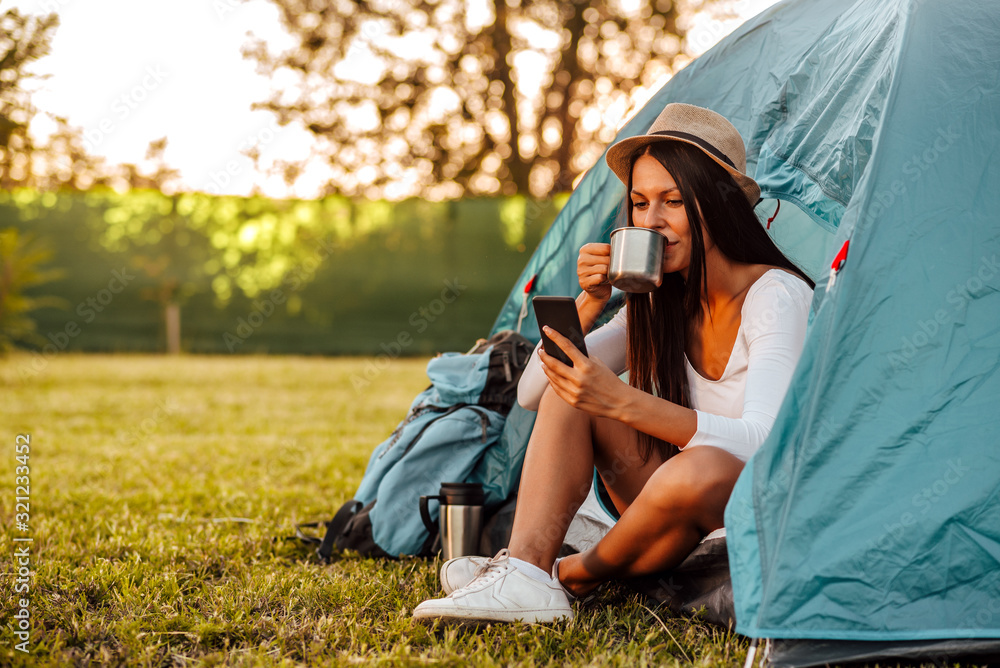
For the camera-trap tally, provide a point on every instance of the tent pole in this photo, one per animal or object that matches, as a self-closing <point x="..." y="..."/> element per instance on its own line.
<point x="751" y="654"/>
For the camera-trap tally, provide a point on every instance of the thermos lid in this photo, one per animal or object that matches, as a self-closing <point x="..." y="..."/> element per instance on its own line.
<point x="462" y="493"/>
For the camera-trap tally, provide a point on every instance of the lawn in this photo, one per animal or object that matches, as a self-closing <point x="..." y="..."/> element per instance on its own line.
<point x="161" y="494"/>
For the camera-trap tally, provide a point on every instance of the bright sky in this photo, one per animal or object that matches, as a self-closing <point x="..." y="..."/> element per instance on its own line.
<point x="132" y="71"/>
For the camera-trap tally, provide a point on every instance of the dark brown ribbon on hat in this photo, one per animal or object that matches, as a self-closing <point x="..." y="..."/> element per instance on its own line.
<point x="694" y="139"/>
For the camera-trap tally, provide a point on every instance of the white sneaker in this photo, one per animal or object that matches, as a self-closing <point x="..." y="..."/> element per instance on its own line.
<point x="500" y="594"/>
<point x="460" y="571"/>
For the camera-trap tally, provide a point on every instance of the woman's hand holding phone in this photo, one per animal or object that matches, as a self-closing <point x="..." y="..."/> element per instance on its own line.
<point x="588" y="385"/>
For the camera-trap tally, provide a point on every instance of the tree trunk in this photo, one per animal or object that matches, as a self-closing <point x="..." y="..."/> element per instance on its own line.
<point x="518" y="167"/>
<point x="172" y="313"/>
<point x="568" y="63"/>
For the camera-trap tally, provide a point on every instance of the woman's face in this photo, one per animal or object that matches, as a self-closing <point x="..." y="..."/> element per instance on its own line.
<point x="657" y="205"/>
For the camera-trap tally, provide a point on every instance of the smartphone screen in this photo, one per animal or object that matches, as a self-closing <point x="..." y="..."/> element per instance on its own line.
<point x="560" y="314"/>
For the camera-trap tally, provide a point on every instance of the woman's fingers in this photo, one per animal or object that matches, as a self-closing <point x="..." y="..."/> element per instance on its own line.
<point x="565" y="345"/>
<point x="588" y="385"/>
<point x="561" y="379"/>
<point x="596" y="249"/>
<point x="596" y="258"/>
<point x="553" y="365"/>
<point x="592" y="267"/>
<point x="555" y="371"/>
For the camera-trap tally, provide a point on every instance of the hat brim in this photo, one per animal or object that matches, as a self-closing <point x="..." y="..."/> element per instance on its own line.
<point x="618" y="159"/>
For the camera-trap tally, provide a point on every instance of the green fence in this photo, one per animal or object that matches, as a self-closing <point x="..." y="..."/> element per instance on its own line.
<point x="325" y="277"/>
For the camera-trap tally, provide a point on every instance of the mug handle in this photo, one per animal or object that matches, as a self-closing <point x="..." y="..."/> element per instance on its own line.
<point x="425" y="514"/>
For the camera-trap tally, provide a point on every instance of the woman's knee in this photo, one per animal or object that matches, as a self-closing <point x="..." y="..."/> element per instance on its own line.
<point x="557" y="416"/>
<point x="552" y="405"/>
<point x="694" y="481"/>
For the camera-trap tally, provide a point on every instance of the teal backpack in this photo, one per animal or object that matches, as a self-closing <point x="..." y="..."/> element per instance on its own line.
<point x="451" y="433"/>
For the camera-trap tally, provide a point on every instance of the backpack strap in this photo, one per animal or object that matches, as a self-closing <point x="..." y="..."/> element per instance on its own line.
<point x="443" y="412"/>
<point x="334" y="528"/>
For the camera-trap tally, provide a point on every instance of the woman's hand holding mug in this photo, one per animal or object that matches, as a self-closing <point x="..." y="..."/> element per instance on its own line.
<point x="592" y="267"/>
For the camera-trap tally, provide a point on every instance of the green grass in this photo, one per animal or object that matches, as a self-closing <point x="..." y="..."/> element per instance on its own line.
<point x="161" y="493"/>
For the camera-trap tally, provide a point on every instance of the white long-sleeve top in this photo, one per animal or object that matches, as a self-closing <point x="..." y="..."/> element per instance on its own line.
<point x="735" y="412"/>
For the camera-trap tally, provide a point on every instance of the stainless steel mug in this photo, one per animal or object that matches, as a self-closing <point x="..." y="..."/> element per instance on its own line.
<point x="636" y="259"/>
<point x="460" y="517"/>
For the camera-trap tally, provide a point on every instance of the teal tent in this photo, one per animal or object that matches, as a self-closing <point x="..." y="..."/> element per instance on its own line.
<point x="869" y="522"/>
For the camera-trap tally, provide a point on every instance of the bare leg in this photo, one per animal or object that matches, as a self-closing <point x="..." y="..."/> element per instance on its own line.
<point x="558" y="468"/>
<point x="684" y="500"/>
<point x="558" y="464"/>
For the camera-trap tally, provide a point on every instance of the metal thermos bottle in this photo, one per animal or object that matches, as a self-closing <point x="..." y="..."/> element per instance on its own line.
<point x="460" y="517"/>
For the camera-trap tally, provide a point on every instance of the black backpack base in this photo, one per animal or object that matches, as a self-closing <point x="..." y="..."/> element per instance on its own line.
<point x="350" y="529"/>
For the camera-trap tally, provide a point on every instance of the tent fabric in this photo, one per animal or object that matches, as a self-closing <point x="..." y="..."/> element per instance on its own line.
<point x="873" y="510"/>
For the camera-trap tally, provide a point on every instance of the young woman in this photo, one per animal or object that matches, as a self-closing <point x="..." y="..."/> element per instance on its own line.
<point x="708" y="355"/>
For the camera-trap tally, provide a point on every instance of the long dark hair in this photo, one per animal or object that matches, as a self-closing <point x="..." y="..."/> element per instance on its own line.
<point x="658" y="321"/>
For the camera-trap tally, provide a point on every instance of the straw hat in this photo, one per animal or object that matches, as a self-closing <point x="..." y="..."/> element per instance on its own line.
<point x="703" y="128"/>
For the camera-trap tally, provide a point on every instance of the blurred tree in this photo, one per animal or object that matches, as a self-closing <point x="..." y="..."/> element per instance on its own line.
<point x="155" y="173"/>
<point x="23" y="40"/>
<point x="440" y="98"/>
<point x="21" y="259"/>
<point x="61" y="161"/>
<point x="187" y="241"/>
<point x="247" y="244"/>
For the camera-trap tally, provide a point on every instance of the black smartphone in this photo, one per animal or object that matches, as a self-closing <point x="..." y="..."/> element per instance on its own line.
<point x="560" y="314"/>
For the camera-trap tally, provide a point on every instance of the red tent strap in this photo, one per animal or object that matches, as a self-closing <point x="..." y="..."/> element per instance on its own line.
<point x="771" y="219"/>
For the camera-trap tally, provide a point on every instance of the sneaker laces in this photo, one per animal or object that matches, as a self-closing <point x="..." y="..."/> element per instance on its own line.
<point x="499" y="560"/>
<point x="495" y="566"/>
